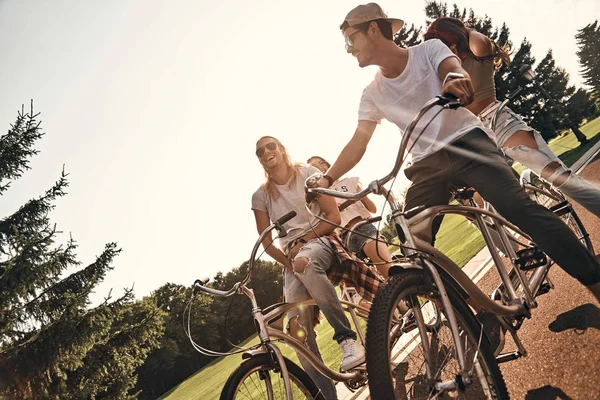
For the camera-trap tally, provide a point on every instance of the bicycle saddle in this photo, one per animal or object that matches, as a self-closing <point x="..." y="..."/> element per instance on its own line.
<point x="462" y="193"/>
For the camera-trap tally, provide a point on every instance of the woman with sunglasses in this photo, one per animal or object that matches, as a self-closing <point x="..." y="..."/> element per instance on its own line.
<point x="311" y="257"/>
<point x="480" y="57"/>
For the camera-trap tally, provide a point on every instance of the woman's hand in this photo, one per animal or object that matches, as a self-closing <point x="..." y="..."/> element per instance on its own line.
<point x="294" y="251"/>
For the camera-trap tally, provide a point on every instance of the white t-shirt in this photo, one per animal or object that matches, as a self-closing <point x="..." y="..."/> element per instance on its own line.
<point x="357" y="209"/>
<point x="399" y="99"/>
<point x="289" y="199"/>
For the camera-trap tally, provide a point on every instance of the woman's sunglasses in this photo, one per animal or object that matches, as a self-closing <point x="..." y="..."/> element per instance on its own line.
<point x="261" y="150"/>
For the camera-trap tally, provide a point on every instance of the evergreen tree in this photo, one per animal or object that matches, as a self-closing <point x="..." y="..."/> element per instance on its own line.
<point x="216" y="323"/>
<point x="581" y="106"/>
<point x="47" y="331"/>
<point x="588" y="42"/>
<point x="532" y="105"/>
<point x="408" y="36"/>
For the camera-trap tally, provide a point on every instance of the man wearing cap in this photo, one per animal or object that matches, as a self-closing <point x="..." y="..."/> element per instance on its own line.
<point x="406" y="79"/>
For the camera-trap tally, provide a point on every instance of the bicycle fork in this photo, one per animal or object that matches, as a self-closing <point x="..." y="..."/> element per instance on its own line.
<point x="464" y="374"/>
<point x="261" y="327"/>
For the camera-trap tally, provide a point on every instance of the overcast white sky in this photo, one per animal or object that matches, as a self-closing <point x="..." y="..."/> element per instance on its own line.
<point x="154" y="107"/>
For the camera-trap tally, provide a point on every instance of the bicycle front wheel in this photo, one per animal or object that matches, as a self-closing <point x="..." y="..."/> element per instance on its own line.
<point x="258" y="378"/>
<point x="403" y="374"/>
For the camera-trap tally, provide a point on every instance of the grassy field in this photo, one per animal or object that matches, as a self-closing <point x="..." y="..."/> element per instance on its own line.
<point x="207" y="383"/>
<point x="459" y="240"/>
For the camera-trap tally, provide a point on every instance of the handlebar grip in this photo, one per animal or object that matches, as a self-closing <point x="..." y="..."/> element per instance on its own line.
<point x="373" y="219"/>
<point x="448" y="100"/>
<point x="285" y="218"/>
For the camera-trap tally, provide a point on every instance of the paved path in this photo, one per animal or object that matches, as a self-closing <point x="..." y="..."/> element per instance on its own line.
<point x="562" y="338"/>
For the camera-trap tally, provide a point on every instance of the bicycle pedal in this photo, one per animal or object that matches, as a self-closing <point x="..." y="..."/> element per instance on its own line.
<point x="505" y="357"/>
<point x="531" y="258"/>
<point x="561" y="208"/>
<point x="544" y="288"/>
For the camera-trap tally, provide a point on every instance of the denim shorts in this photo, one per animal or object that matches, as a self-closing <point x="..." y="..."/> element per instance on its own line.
<point x="508" y="123"/>
<point x="362" y="235"/>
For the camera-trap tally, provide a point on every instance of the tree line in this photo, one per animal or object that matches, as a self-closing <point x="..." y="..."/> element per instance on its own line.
<point x="55" y="345"/>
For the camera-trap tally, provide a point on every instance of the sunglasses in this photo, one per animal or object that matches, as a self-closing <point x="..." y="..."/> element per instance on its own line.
<point x="261" y="150"/>
<point x="349" y="41"/>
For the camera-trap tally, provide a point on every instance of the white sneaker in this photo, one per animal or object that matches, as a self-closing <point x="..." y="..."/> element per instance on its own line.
<point x="353" y="354"/>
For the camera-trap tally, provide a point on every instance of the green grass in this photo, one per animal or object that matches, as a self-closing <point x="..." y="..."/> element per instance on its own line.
<point x="207" y="383"/>
<point x="567" y="147"/>
<point x="456" y="238"/>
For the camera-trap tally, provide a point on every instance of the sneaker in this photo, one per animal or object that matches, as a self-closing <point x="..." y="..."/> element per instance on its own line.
<point x="353" y="354"/>
<point x="493" y="330"/>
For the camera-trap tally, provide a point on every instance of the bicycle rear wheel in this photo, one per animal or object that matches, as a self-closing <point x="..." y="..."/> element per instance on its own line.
<point x="258" y="378"/>
<point x="403" y="374"/>
<point x="564" y="210"/>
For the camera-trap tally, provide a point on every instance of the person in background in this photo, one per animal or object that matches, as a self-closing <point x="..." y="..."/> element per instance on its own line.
<point x="366" y="237"/>
<point x="481" y="57"/>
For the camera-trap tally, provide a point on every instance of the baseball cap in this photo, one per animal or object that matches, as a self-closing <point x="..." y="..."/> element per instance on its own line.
<point x="370" y="12"/>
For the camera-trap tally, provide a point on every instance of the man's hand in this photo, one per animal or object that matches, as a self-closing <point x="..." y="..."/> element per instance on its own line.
<point x="462" y="88"/>
<point x="323" y="182"/>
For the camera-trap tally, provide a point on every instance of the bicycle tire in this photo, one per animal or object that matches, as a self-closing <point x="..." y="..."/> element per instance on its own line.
<point x="381" y="381"/>
<point x="263" y="363"/>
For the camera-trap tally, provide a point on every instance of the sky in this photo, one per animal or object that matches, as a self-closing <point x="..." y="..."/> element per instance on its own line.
<point x="154" y="108"/>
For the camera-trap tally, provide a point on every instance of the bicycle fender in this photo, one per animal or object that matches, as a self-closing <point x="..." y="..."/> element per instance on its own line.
<point x="253" y="353"/>
<point x="399" y="268"/>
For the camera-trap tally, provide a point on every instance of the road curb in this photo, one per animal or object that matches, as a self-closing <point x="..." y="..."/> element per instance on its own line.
<point x="584" y="160"/>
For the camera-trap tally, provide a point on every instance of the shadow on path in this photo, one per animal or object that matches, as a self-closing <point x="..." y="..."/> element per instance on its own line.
<point x="547" y="393"/>
<point x="579" y="319"/>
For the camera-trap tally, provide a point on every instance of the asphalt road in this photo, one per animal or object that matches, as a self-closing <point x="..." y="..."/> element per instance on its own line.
<point x="563" y="336"/>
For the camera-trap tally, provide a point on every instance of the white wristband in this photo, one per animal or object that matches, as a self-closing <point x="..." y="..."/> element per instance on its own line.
<point x="452" y="75"/>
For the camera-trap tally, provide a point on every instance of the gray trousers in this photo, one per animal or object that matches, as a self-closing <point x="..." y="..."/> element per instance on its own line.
<point x="314" y="284"/>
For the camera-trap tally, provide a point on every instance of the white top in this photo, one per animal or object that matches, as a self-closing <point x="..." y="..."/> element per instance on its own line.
<point x="289" y="199"/>
<point x="399" y="99"/>
<point x="354" y="210"/>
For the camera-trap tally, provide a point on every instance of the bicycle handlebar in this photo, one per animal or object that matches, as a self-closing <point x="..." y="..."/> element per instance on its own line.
<point x="446" y="101"/>
<point x="200" y="284"/>
<point x="509" y="98"/>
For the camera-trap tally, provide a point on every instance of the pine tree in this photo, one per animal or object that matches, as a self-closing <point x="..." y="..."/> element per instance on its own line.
<point x="408" y="36"/>
<point x="47" y="331"/>
<point x="588" y="42"/>
<point x="531" y="105"/>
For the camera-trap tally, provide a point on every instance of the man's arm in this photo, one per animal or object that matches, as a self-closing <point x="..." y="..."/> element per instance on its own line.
<point x="262" y="222"/>
<point x="459" y="87"/>
<point x="369" y="205"/>
<point x="329" y="207"/>
<point x="352" y="153"/>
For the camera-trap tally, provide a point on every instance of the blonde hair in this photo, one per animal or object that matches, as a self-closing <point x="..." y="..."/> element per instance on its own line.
<point x="269" y="185"/>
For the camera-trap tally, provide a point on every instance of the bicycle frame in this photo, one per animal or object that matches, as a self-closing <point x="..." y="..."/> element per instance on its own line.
<point x="266" y="333"/>
<point x="416" y="249"/>
<point x="264" y="323"/>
